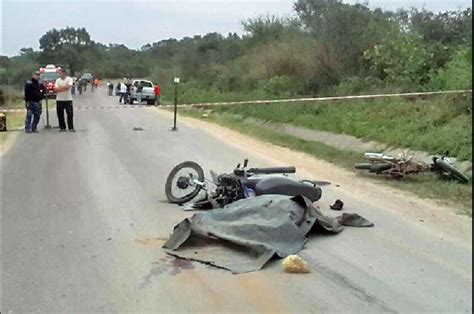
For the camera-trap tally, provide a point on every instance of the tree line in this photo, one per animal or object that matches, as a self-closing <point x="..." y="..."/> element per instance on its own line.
<point x="328" y="47"/>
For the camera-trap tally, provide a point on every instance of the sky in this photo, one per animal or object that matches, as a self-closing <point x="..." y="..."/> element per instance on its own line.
<point x="138" y="22"/>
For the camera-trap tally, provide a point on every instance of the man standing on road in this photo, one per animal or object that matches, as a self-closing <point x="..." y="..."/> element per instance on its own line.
<point x="123" y="92"/>
<point x="34" y="92"/>
<point x="139" y="93"/>
<point x="157" y="94"/>
<point x="64" y="101"/>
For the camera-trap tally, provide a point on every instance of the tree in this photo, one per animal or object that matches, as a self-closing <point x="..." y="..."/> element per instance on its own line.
<point x="66" y="47"/>
<point x="346" y="30"/>
<point x="402" y="59"/>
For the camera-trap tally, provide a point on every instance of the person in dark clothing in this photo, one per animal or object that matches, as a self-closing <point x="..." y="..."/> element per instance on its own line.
<point x="128" y="94"/>
<point x="34" y="93"/>
<point x="111" y="88"/>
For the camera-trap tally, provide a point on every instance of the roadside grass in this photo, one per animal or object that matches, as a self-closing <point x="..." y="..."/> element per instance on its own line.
<point x="434" y="125"/>
<point x="453" y="194"/>
<point x="15" y="121"/>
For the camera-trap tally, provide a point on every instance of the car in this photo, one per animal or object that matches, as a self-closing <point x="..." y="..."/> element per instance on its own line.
<point x="148" y="92"/>
<point x="48" y="76"/>
<point x="87" y="77"/>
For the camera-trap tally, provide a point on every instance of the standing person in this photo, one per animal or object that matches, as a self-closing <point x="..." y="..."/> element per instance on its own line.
<point x="128" y="94"/>
<point x="79" y="87"/>
<point x="64" y="101"/>
<point x="157" y="94"/>
<point x="123" y="93"/>
<point x="73" y="89"/>
<point x="34" y="92"/>
<point x="139" y="93"/>
<point x="111" y="88"/>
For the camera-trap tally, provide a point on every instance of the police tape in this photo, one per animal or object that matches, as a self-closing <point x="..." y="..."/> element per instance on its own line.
<point x="81" y="108"/>
<point x="331" y="98"/>
<point x="269" y="101"/>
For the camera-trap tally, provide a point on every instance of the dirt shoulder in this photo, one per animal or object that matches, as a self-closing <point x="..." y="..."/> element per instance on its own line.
<point x="442" y="219"/>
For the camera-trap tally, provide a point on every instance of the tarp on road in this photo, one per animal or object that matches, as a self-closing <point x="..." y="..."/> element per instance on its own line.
<point x="245" y="235"/>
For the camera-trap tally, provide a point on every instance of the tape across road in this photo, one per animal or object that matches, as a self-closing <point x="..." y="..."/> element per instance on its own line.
<point x="269" y="101"/>
<point x="80" y="108"/>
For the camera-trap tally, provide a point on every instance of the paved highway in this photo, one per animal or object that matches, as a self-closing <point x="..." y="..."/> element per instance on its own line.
<point x="84" y="218"/>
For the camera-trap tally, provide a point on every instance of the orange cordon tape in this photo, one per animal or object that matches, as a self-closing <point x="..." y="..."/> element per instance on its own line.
<point x="266" y="101"/>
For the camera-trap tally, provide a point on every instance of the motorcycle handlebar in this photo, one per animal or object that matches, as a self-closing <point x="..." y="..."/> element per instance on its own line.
<point x="278" y="170"/>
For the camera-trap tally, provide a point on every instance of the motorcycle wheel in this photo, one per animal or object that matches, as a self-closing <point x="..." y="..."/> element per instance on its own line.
<point x="176" y="181"/>
<point x="453" y="172"/>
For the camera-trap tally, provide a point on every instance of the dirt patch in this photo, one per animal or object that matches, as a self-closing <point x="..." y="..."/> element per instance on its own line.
<point x="443" y="219"/>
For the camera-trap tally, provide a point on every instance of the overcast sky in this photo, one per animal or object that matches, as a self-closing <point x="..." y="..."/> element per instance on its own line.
<point x="137" y="22"/>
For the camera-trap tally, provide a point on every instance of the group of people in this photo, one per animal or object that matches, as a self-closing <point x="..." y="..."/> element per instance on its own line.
<point x="125" y="91"/>
<point x="35" y="93"/>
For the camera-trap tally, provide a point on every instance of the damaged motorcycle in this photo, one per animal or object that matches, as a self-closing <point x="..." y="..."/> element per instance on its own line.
<point x="402" y="166"/>
<point x="186" y="181"/>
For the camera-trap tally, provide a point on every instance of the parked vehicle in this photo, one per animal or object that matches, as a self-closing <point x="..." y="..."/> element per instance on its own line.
<point x="48" y="76"/>
<point x="87" y="77"/>
<point x="186" y="181"/>
<point x="148" y="92"/>
<point x="403" y="166"/>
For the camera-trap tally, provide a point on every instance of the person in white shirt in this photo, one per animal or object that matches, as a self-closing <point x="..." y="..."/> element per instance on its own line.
<point x="123" y="92"/>
<point x="64" y="101"/>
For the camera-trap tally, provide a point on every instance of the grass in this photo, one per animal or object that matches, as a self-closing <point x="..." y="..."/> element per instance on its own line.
<point x="433" y="125"/>
<point x="425" y="185"/>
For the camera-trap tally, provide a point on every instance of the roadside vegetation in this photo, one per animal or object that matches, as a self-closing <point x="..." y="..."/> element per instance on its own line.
<point x="11" y="98"/>
<point x="327" y="48"/>
<point x="435" y="125"/>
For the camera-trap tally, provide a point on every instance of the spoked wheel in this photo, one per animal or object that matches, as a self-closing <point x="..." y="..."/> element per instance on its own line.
<point x="180" y="186"/>
<point x="452" y="172"/>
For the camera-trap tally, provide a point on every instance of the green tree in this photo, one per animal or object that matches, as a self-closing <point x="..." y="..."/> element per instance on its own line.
<point x="401" y="59"/>
<point x="66" y="47"/>
<point x="346" y="30"/>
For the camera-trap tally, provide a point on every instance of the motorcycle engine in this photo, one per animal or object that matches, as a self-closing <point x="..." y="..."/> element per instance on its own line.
<point x="230" y="189"/>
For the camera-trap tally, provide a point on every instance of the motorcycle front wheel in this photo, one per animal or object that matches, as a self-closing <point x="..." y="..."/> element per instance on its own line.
<point x="180" y="187"/>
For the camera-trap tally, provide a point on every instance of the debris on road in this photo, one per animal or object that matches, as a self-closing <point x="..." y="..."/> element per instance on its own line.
<point x="296" y="265"/>
<point x="243" y="236"/>
<point x="338" y="205"/>
<point x="138" y="129"/>
<point x="354" y="220"/>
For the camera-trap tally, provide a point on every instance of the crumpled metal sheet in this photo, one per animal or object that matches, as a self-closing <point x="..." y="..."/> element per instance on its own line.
<point x="245" y="235"/>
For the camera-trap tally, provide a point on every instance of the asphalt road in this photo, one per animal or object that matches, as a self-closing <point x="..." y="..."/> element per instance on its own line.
<point x="84" y="217"/>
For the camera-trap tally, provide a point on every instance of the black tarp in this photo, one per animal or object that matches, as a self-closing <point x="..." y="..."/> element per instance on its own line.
<point x="245" y="235"/>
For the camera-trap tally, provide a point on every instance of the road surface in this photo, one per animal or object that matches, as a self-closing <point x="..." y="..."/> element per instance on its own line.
<point x="84" y="218"/>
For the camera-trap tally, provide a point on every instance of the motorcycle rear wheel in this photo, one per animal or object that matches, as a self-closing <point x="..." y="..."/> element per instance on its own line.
<point x="453" y="172"/>
<point x="171" y="185"/>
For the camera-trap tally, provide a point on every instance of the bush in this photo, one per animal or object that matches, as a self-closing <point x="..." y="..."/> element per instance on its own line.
<point x="457" y="74"/>
<point x="282" y="86"/>
<point x="10" y="96"/>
